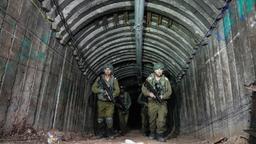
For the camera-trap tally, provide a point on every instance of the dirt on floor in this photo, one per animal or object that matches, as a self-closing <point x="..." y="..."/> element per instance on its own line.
<point x="133" y="137"/>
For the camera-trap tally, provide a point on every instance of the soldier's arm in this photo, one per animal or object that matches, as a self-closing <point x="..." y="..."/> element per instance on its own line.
<point x="95" y="87"/>
<point x="145" y="91"/>
<point x="168" y="92"/>
<point x="140" y="101"/>
<point x="116" y="91"/>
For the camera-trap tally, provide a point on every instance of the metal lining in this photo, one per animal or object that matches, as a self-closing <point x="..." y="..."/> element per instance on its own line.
<point x="171" y="31"/>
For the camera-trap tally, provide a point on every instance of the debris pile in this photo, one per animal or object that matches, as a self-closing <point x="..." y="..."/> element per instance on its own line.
<point x="55" y="136"/>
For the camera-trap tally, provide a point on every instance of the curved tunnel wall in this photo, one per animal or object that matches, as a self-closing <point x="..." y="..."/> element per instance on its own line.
<point x="45" y="82"/>
<point x="41" y="84"/>
<point x="213" y="100"/>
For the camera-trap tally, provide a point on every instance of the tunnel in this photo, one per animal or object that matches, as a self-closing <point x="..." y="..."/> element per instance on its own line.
<point x="52" y="51"/>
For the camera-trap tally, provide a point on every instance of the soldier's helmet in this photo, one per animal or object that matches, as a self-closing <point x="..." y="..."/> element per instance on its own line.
<point x="108" y="66"/>
<point x="158" y="66"/>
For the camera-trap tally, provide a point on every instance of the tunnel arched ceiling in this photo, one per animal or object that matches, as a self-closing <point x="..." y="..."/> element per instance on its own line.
<point x="102" y="31"/>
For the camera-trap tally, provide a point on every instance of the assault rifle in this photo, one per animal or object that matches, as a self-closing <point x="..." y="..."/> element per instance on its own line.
<point x="109" y="95"/>
<point x="156" y="91"/>
<point x="119" y="103"/>
<point x="109" y="92"/>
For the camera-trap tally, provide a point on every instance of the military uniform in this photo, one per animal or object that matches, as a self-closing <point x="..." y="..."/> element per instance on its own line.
<point x="124" y="114"/>
<point x="105" y="108"/>
<point x="157" y="111"/>
<point x="143" y="101"/>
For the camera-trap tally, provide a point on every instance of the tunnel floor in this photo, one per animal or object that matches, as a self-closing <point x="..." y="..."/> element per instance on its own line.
<point x="136" y="137"/>
<point x="133" y="137"/>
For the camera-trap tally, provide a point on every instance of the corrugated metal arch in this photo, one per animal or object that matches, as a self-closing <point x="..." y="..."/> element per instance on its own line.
<point x="172" y="29"/>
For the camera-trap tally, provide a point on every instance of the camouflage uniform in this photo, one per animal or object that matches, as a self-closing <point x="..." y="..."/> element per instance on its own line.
<point x="157" y="111"/>
<point x="105" y="108"/>
<point x="123" y="115"/>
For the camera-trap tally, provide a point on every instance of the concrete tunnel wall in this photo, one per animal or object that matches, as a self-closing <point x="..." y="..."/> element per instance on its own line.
<point x="41" y="85"/>
<point x="213" y="100"/>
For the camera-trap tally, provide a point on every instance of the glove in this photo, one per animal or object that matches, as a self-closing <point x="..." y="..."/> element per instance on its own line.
<point x="101" y="97"/>
<point x="101" y="91"/>
<point x="125" y="111"/>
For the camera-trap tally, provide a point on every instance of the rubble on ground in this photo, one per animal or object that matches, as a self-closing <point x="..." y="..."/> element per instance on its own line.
<point x="54" y="136"/>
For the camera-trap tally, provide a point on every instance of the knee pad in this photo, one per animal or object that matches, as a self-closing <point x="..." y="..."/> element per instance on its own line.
<point x="100" y="120"/>
<point x="109" y="120"/>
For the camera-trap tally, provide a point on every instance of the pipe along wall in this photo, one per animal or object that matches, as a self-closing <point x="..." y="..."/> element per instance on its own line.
<point x="42" y="87"/>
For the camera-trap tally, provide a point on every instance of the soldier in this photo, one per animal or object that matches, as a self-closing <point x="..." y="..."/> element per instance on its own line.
<point x="104" y="87"/>
<point x="124" y="113"/>
<point x="143" y="101"/>
<point x="157" y="103"/>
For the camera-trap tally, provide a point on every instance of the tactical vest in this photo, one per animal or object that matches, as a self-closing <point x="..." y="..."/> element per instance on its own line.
<point x="161" y="83"/>
<point x="109" y="83"/>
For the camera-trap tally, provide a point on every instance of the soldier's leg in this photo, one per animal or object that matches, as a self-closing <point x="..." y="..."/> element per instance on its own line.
<point x="100" y="119"/>
<point x="152" y="112"/>
<point x="126" y="116"/>
<point x="109" y="114"/>
<point x="142" y="120"/>
<point x="110" y="131"/>
<point x="109" y="119"/>
<point x="100" y="128"/>
<point x="161" y="121"/>
<point x="121" y="120"/>
<point x="146" y="122"/>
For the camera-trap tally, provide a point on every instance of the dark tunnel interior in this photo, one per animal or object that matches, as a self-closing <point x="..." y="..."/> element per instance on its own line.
<point x="134" y="122"/>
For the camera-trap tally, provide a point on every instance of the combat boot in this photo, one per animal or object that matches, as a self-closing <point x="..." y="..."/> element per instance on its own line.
<point x="160" y="138"/>
<point x="152" y="136"/>
<point x="100" y="135"/>
<point x="110" y="133"/>
<point x="101" y="132"/>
